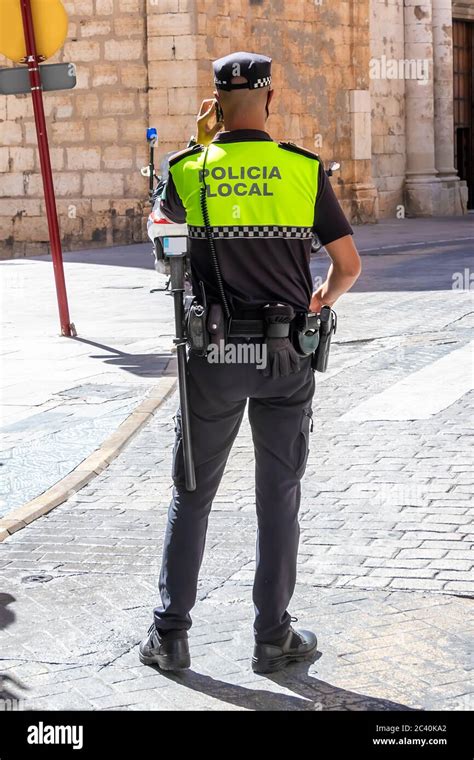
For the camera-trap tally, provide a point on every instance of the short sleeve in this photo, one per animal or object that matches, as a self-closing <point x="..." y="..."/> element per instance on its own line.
<point x="330" y="222"/>
<point x="171" y="204"/>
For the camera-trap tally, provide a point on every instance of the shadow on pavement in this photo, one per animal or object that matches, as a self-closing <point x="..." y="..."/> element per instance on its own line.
<point x="138" y="255"/>
<point x="309" y="693"/>
<point x="7" y="617"/>
<point x="142" y="365"/>
<point x="427" y="266"/>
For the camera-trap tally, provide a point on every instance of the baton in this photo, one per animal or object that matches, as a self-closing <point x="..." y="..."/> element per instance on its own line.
<point x="177" y="268"/>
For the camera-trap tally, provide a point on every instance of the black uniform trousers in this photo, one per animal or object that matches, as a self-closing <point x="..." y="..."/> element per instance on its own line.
<point x="280" y="418"/>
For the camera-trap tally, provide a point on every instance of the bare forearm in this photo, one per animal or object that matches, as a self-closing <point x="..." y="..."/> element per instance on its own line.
<point x="337" y="283"/>
<point x="343" y="272"/>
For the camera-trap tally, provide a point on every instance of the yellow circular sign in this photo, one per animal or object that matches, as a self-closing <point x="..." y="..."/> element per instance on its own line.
<point x="49" y="21"/>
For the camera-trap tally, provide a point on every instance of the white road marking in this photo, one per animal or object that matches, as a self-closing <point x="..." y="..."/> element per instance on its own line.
<point x="423" y="393"/>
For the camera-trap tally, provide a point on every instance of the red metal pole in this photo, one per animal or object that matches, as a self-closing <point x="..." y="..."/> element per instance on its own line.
<point x="37" y="94"/>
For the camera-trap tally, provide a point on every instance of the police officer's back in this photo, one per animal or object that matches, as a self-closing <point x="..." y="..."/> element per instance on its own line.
<point x="251" y="205"/>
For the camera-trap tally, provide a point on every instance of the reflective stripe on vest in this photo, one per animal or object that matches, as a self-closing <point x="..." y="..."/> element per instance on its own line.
<point x="254" y="189"/>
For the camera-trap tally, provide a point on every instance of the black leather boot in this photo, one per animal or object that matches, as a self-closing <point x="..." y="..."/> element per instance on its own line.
<point x="296" y="646"/>
<point x="169" y="650"/>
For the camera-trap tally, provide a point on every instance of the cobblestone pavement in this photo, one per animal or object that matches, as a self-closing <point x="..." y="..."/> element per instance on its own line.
<point x="60" y="398"/>
<point x="385" y="565"/>
<point x="51" y="420"/>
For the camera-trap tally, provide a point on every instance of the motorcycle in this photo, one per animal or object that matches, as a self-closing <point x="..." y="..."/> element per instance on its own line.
<point x="158" y="227"/>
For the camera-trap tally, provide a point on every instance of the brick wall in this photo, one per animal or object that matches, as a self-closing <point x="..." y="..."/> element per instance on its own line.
<point x="320" y="53"/>
<point x="148" y="63"/>
<point x="97" y="137"/>
<point x="173" y="50"/>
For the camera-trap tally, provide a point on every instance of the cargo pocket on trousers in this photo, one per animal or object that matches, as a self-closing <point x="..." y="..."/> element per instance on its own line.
<point x="303" y="440"/>
<point x="177" y="467"/>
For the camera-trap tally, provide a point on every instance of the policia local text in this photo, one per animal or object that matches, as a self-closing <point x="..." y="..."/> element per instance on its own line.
<point x="243" y="172"/>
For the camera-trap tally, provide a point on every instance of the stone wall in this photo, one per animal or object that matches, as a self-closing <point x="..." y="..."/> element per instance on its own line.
<point x="96" y="132"/>
<point x="320" y="54"/>
<point x="147" y="63"/>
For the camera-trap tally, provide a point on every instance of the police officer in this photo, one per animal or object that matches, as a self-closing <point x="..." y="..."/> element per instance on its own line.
<point x="264" y="200"/>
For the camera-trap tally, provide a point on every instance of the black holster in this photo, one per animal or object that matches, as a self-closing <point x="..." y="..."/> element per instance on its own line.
<point x="217" y="326"/>
<point x="196" y="328"/>
<point x="327" y="328"/>
<point x="206" y="324"/>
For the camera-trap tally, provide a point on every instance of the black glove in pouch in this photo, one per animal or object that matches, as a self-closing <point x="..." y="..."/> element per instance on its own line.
<point x="282" y="358"/>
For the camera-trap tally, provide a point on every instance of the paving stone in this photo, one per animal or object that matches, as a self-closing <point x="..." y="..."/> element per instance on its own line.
<point x="384" y="563"/>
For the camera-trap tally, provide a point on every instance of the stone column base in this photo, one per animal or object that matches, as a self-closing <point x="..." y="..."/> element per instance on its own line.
<point x="454" y="195"/>
<point x="362" y="203"/>
<point x="423" y="197"/>
<point x="436" y="197"/>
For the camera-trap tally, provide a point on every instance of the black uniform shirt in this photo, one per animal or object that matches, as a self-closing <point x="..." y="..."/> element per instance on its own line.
<point x="260" y="270"/>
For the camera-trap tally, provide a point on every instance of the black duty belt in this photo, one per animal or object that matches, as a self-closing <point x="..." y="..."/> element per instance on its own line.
<point x="256" y="328"/>
<point x="246" y="328"/>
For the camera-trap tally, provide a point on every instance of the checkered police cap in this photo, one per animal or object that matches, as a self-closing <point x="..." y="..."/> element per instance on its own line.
<point x="255" y="68"/>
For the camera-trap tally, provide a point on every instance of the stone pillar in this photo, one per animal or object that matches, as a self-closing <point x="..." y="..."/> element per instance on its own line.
<point x="364" y="200"/>
<point x="361" y="197"/>
<point x="453" y="192"/>
<point x="422" y="187"/>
